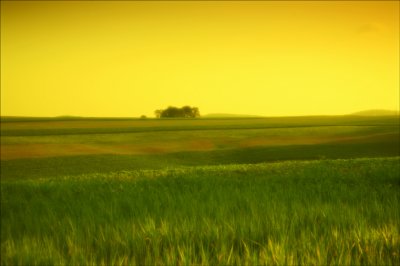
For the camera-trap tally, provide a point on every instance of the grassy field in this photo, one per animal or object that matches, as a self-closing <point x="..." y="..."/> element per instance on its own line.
<point x="290" y="213"/>
<point x="275" y="191"/>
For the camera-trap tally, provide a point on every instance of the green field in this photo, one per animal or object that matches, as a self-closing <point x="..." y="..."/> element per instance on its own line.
<point x="275" y="191"/>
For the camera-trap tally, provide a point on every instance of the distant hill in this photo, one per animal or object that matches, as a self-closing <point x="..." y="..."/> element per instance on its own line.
<point x="376" y="112"/>
<point x="218" y="115"/>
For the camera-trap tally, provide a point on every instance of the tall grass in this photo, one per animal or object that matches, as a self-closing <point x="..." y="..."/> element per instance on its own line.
<point x="290" y="213"/>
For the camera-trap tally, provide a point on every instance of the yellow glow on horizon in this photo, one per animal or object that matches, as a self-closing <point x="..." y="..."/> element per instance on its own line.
<point x="266" y="58"/>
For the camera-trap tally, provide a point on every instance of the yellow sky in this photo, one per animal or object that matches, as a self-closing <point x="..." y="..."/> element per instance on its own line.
<point x="130" y="58"/>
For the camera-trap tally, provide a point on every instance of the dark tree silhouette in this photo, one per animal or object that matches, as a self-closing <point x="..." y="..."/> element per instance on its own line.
<point x="184" y="112"/>
<point x="158" y="113"/>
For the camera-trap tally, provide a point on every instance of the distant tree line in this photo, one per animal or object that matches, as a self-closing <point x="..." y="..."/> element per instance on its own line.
<point x="172" y="111"/>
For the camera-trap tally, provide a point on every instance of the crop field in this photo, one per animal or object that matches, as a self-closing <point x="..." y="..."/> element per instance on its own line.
<point x="254" y="191"/>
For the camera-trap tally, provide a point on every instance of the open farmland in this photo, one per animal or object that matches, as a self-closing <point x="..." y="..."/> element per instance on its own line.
<point x="280" y="191"/>
<point x="39" y="147"/>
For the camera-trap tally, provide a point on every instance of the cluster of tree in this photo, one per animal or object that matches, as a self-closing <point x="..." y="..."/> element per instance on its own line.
<point x="185" y="111"/>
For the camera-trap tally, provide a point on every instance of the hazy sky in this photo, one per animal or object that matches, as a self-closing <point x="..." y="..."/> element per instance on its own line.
<point x="130" y="58"/>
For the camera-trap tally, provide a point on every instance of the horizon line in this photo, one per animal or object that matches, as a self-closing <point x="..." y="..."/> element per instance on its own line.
<point x="217" y="115"/>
